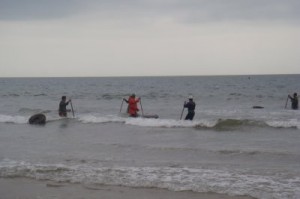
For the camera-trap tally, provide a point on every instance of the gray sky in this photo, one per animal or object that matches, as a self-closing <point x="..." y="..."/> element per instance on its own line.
<point x="148" y="37"/>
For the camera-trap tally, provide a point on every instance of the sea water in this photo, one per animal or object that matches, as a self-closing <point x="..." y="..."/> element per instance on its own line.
<point x="228" y="148"/>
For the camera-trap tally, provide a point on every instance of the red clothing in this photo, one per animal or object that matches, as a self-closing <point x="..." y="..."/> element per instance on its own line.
<point x="132" y="106"/>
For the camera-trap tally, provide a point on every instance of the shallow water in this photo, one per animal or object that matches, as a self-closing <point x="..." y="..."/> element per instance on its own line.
<point x="228" y="148"/>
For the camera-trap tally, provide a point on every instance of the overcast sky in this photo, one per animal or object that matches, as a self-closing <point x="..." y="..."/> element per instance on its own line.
<point x="46" y="38"/>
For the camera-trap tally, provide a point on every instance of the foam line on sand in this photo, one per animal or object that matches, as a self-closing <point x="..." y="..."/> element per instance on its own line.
<point x="26" y="188"/>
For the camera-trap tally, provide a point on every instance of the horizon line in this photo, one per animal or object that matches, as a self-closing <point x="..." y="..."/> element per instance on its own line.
<point x="217" y="75"/>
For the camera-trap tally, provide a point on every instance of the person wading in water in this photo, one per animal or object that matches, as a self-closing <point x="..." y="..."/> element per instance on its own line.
<point x="294" y="101"/>
<point x="190" y="105"/>
<point x="132" y="105"/>
<point x="62" y="111"/>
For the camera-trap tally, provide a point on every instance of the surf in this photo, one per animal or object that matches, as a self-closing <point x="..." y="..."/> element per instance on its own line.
<point x="236" y="183"/>
<point x="221" y="124"/>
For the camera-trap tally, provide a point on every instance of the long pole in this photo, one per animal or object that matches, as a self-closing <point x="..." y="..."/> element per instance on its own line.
<point x="286" y="102"/>
<point x="141" y="107"/>
<point x="72" y="108"/>
<point x="121" y="105"/>
<point x="181" y="113"/>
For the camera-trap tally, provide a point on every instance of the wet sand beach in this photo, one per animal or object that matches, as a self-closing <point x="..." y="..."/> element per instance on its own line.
<point x="31" y="189"/>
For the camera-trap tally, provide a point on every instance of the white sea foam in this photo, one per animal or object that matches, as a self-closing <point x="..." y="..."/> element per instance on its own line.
<point x="13" y="119"/>
<point x="279" y="186"/>
<point x="172" y="123"/>
<point x="168" y="123"/>
<point x="96" y="118"/>
<point x="160" y="122"/>
<point x="292" y="123"/>
<point x="145" y="122"/>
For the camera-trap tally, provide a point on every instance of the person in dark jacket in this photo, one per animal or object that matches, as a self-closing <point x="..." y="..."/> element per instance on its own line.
<point x="294" y="101"/>
<point x="190" y="105"/>
<point x="62" y="111"/>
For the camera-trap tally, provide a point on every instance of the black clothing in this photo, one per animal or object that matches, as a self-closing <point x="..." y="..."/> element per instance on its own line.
<point x="294" y="102"/>
<point x="62" y="111"/>
<point x="191" y="110"/>
<point x="190" y="115"/>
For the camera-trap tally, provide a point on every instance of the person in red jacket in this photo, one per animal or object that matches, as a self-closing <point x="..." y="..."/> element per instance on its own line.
<point x="132" y="105"/>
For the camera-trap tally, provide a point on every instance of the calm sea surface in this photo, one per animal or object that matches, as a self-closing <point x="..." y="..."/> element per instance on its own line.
<point x="229" y="148"/>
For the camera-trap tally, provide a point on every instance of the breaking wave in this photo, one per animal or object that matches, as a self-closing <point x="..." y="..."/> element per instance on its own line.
<point x="232" y="124"/>
<point x="20" y="119"/>
<point x="13" y="119"/>
<point x="219" y="124"/>
<point x="281" y="186"/>
<point x="144" y="122"/>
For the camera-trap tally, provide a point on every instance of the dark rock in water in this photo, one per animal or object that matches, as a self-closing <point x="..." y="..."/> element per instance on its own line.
<point x="37" y="119"/>
<point x="257" y="107"/>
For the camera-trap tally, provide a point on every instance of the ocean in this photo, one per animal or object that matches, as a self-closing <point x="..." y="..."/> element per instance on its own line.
<point x="229" y="147"/>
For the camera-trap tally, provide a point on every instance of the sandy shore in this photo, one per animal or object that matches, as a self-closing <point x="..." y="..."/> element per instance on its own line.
<point x="32" y="189"/>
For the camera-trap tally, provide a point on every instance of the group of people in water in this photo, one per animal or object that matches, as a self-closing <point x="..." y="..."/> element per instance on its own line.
<point x="133" y="109"/>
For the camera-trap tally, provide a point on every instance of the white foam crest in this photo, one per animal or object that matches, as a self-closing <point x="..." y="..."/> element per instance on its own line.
<point x="169" y="123"/>
<point x="280" y="186"/>
<point x="90" y="118"/>
<point x="292" y="123"/>
<point x="144" y="122"/>
<point x="13" y="119"/>
<point x="147" y="122"/>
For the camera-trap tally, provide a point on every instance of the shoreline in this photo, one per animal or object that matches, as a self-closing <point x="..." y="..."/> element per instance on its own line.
<point x="22" y="188"/>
